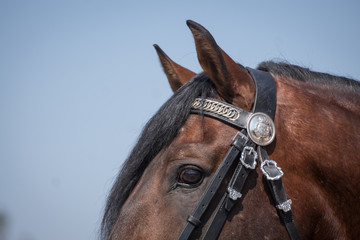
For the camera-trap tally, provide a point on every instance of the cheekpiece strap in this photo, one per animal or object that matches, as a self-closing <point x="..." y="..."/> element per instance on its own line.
<point x="194" y="220"/>
<point x="246" y="164"/>
<point x="273" y="176"/>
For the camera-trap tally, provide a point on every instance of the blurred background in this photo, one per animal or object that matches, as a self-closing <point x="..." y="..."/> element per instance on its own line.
<point x="79" y="79"/>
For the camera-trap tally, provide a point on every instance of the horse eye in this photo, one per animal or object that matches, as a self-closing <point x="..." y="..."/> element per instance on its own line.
<point x="190" y="176"/>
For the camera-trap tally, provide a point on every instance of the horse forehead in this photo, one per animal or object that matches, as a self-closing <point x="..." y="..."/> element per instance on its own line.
<point x="199" y="129"/>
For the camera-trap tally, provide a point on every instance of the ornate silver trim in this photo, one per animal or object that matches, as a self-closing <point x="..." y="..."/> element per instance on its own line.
<point x="251" y="151"/>
<point x="216" y="107"/>
<point x="268" y="162"/>
<point x="233" y="194"/>
<point x="285" y="206"/>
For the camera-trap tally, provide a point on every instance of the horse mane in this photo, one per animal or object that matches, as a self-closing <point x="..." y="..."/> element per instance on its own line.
<point x="158" y="133"/>
<point x="306" y="75"/>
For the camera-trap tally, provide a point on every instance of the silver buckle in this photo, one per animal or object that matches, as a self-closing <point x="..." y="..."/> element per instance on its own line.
<point x="248" y="151"/>
<point x="233" y="194"/>
<point x="285" y="206"/>
<point x="270" y="169"/>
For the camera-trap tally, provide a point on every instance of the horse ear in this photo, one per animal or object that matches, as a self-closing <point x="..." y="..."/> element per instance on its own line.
<point x="233" y="82"/>
<point x="176" y="74"/>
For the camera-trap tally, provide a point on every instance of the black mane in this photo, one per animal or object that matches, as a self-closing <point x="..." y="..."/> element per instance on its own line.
<point x="306" y="75"/>
<point x="158" y="133"/>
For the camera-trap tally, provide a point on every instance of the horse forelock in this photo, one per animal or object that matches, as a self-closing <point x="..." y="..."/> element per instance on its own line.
<point x="158" y="133"/>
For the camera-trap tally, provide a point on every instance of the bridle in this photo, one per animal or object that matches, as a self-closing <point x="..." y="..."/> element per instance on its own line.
<point x="257" y="131"/>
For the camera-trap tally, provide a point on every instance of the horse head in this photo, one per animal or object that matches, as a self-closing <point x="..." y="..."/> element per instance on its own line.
<point x="180" y="152"/>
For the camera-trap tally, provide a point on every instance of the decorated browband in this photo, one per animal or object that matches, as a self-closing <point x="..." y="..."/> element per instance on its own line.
<point x="260" y="126"/>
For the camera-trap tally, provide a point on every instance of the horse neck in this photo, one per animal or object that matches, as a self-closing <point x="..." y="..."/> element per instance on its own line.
<point x="344" y="96"/>
<point x="317" y="138"/>
<point x="319" y="117"/>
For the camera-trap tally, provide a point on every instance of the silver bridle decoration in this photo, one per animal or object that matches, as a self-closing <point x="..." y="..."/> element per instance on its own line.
<point x="285" y="206"/>
<point x="217" y="108"/>
<point x="250" y="151"/>
<point x="261" y="128"/>
<point x="271" y="163"/>
<point x="233" y="194"/>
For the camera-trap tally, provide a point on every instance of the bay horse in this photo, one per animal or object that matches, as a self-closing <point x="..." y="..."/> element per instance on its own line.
<point x="317" y="124"/>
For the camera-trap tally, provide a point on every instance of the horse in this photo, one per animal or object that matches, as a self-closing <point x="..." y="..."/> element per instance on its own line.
<point x="180" y="150"/>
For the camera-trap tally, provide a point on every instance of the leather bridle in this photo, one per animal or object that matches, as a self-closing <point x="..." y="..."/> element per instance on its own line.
<point x="257" y="131"/>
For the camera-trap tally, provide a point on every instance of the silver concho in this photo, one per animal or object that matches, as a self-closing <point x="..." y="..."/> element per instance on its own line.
<point x="261" y="129"/>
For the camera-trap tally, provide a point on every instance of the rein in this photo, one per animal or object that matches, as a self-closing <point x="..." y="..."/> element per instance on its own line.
<point x="257" y="131"/>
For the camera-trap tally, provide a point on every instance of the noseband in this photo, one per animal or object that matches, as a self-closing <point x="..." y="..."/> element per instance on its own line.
<point x="257" y="131"/>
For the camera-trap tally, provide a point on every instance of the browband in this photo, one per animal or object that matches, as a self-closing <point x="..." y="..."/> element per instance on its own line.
<point x="257" y="128"/>
<point x="232" y="115"/>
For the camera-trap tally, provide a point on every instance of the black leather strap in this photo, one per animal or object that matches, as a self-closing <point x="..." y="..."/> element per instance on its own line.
<point x="277" y="190"/>
<point x="228" y="201"/>
<point x="265" y="95"/>
<point x="237" y="145"/>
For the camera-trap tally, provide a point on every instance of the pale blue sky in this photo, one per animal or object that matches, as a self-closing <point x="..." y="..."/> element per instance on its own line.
<point x="79" y="79"/>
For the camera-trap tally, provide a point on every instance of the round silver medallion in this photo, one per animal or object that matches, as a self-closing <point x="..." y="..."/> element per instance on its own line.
<point x="261" y="129"/>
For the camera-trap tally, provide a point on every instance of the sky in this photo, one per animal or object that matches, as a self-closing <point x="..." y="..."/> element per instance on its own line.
<point x="79" y="80"/>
